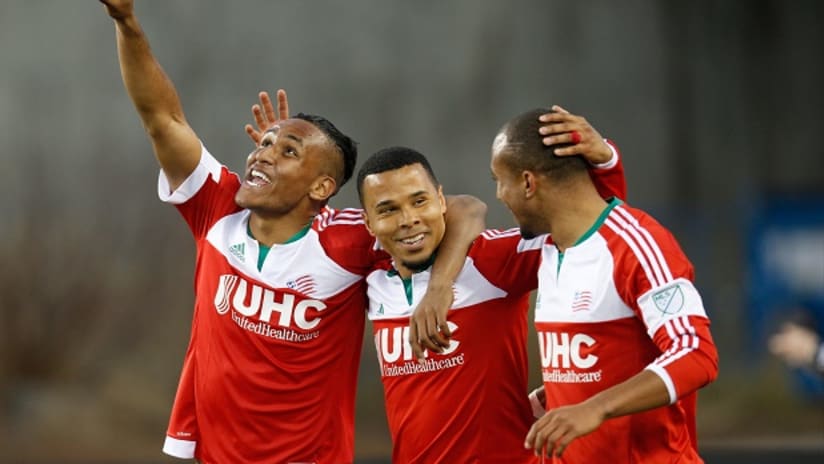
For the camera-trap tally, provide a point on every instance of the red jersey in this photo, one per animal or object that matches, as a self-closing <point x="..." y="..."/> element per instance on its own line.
<point x="469" y="404"/>
<point x="619" y="301"/>
<point x="270" y="374"/>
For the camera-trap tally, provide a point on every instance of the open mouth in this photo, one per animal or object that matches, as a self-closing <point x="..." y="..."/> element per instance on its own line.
<point x="257" y="179"/>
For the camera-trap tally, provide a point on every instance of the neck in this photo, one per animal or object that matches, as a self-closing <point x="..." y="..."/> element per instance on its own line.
<point x="571" y="212"/>
<point x="270" y="230"/>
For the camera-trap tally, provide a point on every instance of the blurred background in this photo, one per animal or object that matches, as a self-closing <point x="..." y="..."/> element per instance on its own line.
<point x="715" y="105"/>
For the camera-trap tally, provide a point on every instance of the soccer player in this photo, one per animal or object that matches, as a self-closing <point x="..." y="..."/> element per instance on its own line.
<point x="467" y="402"/>
<point x="270" y="372"/>
<point x="624" y="338"/>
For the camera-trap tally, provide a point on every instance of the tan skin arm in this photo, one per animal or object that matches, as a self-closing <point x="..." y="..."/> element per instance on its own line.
<point x="465" y="220"/>
<point x="175" y="144"/>
<point x="553" y="432"/>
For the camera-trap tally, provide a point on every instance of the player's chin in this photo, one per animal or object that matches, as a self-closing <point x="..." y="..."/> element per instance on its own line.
<point x="418" y="264"/>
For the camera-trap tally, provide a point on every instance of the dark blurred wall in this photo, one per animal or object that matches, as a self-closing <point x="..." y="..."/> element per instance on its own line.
<point x="714" y="104"/>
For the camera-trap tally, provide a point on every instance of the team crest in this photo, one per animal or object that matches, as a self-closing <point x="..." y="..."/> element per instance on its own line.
<point x="669" y="300"/>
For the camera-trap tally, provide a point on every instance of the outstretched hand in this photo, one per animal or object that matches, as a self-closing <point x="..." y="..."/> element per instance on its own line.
<point x="563" y="127"/>
<point x="119" y="9"/>
<point x="264" y="114"/>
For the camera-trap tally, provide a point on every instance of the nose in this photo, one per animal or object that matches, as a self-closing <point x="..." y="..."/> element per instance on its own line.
<point x="259" y="155"/>
<point x="409" y="217"/>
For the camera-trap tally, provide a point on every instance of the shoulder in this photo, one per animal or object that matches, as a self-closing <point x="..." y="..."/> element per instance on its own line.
<point x="638" y="240"/>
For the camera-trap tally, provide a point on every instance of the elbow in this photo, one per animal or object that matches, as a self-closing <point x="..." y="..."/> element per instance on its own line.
<point x="160" y="127"/>
<point x="471" y="206"/>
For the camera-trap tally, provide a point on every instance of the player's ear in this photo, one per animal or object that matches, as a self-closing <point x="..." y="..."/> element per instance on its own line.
<point x="323" y="188"/>
<point x="442" y="199"/>
<point x="530" y="183"/>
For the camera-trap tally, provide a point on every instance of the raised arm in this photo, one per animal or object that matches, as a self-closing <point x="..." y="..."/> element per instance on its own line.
<point x="175" y="144"/>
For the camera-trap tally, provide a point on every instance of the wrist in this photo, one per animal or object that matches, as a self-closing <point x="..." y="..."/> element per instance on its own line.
<point x="538" y="406"/>
<point x="127" y="22"/>
<point x="611" y="157"/>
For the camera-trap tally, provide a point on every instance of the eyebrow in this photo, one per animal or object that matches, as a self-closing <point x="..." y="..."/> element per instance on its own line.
<point x="391" y="202"/>
<point x="275" y="130"/>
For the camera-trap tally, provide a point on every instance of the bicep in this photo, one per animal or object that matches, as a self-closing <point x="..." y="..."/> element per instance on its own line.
<point x="177" y="149"/>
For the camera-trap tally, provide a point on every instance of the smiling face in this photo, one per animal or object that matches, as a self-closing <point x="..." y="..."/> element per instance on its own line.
<point x="405" y="211"/>
<point x="291" y="166"/>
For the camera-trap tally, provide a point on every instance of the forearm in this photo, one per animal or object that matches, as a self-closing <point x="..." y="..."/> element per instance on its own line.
<point x="641" y="392"/>
<point x="151" y="91"/>
<point x="176" y="146"/>
<point x="465" y="220"/>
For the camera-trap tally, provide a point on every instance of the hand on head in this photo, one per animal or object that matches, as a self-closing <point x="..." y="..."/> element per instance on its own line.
<point x="563" y="127"/>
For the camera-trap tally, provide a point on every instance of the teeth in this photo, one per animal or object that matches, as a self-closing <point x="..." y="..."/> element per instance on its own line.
<point x="260" y="175"/>
<point x="413" y="240"/>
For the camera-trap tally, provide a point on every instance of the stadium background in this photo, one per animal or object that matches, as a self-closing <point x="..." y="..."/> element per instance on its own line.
<point x="716" y="106"/>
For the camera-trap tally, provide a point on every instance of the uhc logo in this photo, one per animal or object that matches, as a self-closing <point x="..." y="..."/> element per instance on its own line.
<point x="393" y="344"/>
<point x="251" y="300"/>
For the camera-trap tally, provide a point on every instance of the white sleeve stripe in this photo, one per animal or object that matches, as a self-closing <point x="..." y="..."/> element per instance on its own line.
<point x="641" y="258"/>
<point x="348" y="216"/>
<point x="673" y="396"/>
<point x="678" y="342"/>
<point x="675" y="342"/>
<point x="627" y="226"/>
<point x="652" y="243"/>
<point x="691" y="329"/>
<point x="490" y="234"/>
<point x="531" y="244"/>
<point x="345" y="221"/>
<point x="611" y="162"/>
<point x="689" y="341"/>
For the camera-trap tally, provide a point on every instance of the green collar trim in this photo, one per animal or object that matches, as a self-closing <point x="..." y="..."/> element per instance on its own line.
<point x="611" y="204"/>
<point x="263" y="250"/>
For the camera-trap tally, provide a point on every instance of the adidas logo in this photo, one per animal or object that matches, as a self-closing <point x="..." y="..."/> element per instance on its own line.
<point x="238" y="251"/>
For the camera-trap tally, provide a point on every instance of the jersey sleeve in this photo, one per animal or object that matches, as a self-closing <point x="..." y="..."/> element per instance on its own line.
<point x="609" y="177"/>
<point x="205" y="196"/>
<point x="507" y="260"/>
<point x="655" y="279"/>
<point x="344" y="236"/>
<point x="182" y="433"/>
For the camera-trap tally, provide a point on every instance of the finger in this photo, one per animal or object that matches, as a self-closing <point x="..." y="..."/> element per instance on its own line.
<point x="562" y="444"/>
<point x="252" y="133"/>
<point x="557" y="117"/>
<point x="557" y="128"/>
<point x="431" y="343"/>
<point x="434" y="340"/>
<point x="444" y="329"/>
<point x="569" y="151"/>
<point x="417" y="350"/>
<point x="529" y="441"/>
<point x="260" y="120"/>
<point x="559" y="109"/>
<point x="283" y="104"/>
<point x="268" y="108"/>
